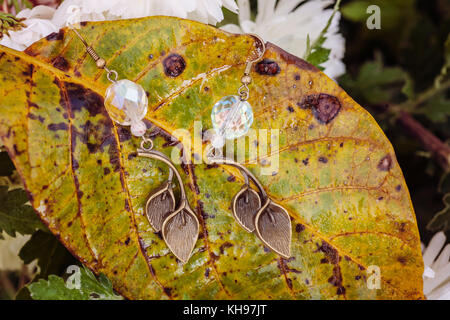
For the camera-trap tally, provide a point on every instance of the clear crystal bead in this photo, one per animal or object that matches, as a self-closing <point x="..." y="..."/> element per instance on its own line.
<point x="126" y="102"/>
<point x="138" y="128"/>
<point x="231" y="117"/>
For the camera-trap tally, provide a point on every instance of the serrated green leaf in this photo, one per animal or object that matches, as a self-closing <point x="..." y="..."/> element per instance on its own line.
<point x="87" y="288"/>
<point x="319" y="56"/>
<point x="376" y="83"/>
<point x="53" y="289"/>
<point x="51" y="255"/>
<point x="15" y="214"/>
<point x="315" y="53"/>
<point x="436" y="109"/>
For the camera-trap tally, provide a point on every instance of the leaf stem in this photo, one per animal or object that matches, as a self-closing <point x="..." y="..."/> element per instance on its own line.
<point x="439" y="149"/>
<point x="411" y="105"/>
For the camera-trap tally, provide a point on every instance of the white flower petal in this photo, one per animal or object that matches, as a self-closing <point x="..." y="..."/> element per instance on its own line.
<point x="232" y="28"/>
<point x="443" y="259"/>
<point x="433" y="248"/>
<point x="231" y="5"/>
<point x="440" y="277"/>
<point x="428" y="272"/>
<point x="9" y="250"/>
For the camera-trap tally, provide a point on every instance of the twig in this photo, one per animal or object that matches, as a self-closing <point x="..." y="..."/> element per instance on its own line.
<point x="410" y="105"/>
<point x="439" y="149"/>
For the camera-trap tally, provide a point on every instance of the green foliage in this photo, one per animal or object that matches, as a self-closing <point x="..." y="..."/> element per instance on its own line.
<point x="446" y="66"/>
<point x="441" y="221"/>
<point x="9" y="23"/>
<point x="437" y="109"/>
<point x="6" y="165"/>
<point x="376" y="83"/>
<point x="15" y="214"/>
<point x="80" y="285"/>
<point x="52" y="257"/>
<point x="315" y="53"/>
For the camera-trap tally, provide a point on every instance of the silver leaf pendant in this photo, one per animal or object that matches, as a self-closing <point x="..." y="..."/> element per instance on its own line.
<point x="271" y="222"/>
<point x="273" y="227"/>
<point x="245" y="205"/>
<point x="179" y="225"/>
<point x="180" y="232"/>
<point x="160" y="204"/>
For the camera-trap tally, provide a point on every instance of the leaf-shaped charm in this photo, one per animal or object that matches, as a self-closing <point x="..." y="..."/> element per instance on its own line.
<point x="273" y="227"/>
<point x="180" y="231"/>
<point x="160" y="205"/>
<point x="246" y="204"/>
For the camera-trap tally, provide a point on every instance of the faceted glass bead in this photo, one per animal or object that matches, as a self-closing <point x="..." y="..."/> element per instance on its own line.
<point x="126" y="102"/>
<point x="233" y="116"/>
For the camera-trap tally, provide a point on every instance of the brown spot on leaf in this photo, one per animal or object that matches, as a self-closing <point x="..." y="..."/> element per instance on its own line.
<point x="58" y="126"/>
<point x="168" y="291"/>
<point x="224" y="246"/>
<point x="61" y="63"/>
<point x="29" y="72"/>
<point x="289" y="283"/>
<point x="325" y="107"/>
<point x="35" y="117"/>
<point x="299" y="228"/>
<point x="267" y="67"/>
<point x="332" y="256"/>
<point x="81" y="98"/>
<point x="402" y="260"/>
<point x="385" y="163"/>
<point x="323" y="159"/>
<point x="174" y="65"/>
<point x="54" y="36"/>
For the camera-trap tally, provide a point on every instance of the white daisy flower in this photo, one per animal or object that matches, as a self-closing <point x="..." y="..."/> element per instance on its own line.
<point x="42" y="20"/>
<point x="38" y="25"/>
<point x="288" y="23"/>
<point x="436" y="277"/>
<point x="206" y="11"/>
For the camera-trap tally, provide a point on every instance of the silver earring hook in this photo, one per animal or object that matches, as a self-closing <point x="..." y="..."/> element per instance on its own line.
<point x="243" y="91"/>
<point x="263" y="47"/>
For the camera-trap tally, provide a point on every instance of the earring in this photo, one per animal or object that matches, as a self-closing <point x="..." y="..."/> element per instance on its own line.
<point x="126" y="103"/>
<point x="179" y="226"/>
<point x="232" y="117"/>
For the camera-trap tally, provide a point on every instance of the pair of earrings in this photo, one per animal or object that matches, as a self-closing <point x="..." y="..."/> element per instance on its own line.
<point x="232" y="116"/>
